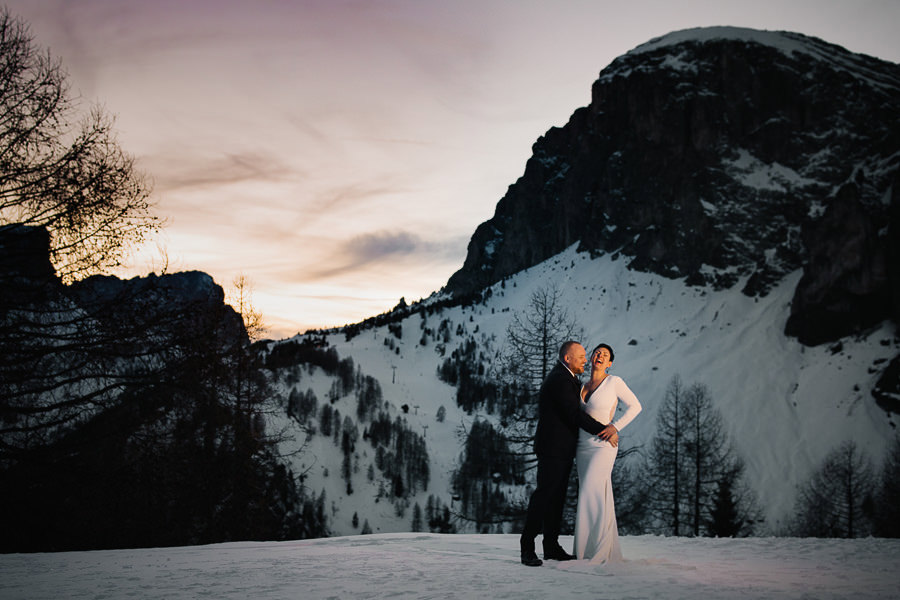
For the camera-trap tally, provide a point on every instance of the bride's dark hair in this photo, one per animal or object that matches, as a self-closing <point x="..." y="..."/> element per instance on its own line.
<point x="612" y="355"/>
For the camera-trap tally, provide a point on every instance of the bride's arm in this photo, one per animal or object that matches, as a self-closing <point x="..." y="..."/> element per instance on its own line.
<point x="624" y="393"/>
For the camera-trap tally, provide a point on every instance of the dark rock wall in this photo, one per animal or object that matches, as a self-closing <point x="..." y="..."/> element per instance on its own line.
<point x="718" y="160"/>
<point x="845" y="284"/>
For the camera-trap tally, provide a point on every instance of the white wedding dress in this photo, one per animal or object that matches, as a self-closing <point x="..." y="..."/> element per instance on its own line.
<point x="596" y="531"/>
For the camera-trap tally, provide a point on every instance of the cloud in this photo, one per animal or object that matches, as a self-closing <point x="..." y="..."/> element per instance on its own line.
<point x="383" y="247"/>
<point x="374" y="246"/>
<point x="349" y="196"/>
<point x="175" y="173"/>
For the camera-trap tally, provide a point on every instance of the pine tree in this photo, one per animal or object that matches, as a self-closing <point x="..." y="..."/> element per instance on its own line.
<point x="325" y="418"/>
<point x="336" y="427"/>
<point x="417" y="518"/>
<point x="837" y="500"/>
<point x="887" y="508"/>
<point x="724" y="517"/>
<point x="665" y="468"/>
<point x="533" y="339"/>
<point x="709" y="456"/>
<point x="693" y="470"/>
<point x="442" y="521"/>
<point x="320" y="508"/>
<point x="429" y="508"/>
<point x="486" y="462"/>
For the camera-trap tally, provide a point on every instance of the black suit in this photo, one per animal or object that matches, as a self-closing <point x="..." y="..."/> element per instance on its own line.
<point x="559" y="417"/>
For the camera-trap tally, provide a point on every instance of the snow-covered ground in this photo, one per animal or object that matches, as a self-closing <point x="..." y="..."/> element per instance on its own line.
<point x="426" y="565"/>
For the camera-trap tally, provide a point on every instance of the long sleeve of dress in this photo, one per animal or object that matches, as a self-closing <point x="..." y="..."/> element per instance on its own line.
<point x="624" y="393"/>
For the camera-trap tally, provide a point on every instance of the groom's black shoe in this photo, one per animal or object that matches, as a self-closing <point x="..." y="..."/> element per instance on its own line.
<point x="530" y="559"/>
<point x="557" y="553"/>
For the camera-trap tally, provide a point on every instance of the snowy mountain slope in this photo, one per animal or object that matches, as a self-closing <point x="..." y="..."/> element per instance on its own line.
<point x="785" y="405"/>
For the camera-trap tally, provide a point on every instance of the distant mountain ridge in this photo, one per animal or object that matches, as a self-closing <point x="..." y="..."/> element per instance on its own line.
<point x="722" y="154"/>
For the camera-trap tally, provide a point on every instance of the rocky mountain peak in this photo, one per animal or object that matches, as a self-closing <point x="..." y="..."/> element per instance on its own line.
<point x="714" y="155"/>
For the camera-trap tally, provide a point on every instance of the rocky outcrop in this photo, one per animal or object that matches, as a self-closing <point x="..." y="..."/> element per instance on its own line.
<point x="887" y="389"/>
<point x="24" y="254"/>
<point x="28" y="280"/>
<point x="893" y="247"/>
<point x="718" y="155"/>
<point x="26" y="275"/>
<point x="845" y="284"/>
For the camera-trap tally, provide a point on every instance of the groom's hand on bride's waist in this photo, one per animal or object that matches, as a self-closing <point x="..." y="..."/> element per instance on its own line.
<point x="608" y="431"/>
<point x="610" y="434"/>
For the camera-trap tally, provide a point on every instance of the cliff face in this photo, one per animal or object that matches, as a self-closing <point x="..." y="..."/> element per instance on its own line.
<point x="723" y="156"/>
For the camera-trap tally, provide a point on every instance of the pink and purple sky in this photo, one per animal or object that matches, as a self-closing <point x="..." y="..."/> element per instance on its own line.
<point x="339" y="154"/>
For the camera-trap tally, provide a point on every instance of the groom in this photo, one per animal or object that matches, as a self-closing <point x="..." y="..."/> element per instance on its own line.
<point x="559" y="417"/>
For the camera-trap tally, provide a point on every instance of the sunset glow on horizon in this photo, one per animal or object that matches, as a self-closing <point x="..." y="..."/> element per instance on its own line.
<point x="340" y="154"/>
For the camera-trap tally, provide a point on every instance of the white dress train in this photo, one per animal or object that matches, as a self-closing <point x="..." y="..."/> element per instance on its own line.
<point x="596" y="530"/>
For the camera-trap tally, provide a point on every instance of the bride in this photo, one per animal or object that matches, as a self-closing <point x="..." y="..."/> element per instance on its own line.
<point x="596" y="532"/>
